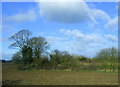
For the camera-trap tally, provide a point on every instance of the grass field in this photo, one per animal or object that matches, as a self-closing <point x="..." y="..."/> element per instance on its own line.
<point x="12" y="76"/>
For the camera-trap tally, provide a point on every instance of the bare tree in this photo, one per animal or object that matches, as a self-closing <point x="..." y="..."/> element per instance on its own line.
<point x="21" y="41"/>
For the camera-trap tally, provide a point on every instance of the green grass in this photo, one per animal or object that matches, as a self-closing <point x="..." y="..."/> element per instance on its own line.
<point x="12" y="76"/>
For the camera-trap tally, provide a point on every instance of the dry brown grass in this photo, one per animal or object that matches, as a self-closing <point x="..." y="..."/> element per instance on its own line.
<point x="36" y="77"/>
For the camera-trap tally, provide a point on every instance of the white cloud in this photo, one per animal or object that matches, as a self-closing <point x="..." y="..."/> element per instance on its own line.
<point x="30" y="15"/>
<point x="80" y="36"/>
<point x="70" y="12"/>
<point x="112" y="38"/>
<point x="112" y="23"/>
<point x="97" y="13"/>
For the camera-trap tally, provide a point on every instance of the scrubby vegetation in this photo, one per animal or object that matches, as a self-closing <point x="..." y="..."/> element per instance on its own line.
<point x="33" y="54"/>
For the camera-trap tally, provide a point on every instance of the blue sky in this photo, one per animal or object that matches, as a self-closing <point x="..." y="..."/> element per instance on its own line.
<point x="80" y="28"/>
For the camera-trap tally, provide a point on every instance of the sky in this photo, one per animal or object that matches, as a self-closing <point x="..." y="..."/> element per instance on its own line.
<point x="81" y="28"/>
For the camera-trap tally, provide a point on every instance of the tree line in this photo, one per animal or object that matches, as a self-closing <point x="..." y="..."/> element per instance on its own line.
<point x="33" y="54"/>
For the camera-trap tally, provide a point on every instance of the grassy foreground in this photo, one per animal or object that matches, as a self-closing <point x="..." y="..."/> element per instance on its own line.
<point x="12" y="76"/>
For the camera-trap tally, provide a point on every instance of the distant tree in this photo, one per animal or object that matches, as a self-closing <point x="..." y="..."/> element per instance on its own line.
<point x="114" y="53"/>
<point x="17" y="57"/>
<point x="109" y="53"/>
<point x="21" y="42"/>
<point x="108" y="56"/>
<point x="39" y="45"/>
<point x="4" y="61"/>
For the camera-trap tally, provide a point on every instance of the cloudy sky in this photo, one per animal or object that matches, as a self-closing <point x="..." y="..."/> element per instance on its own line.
<point x="82" y="28"/>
